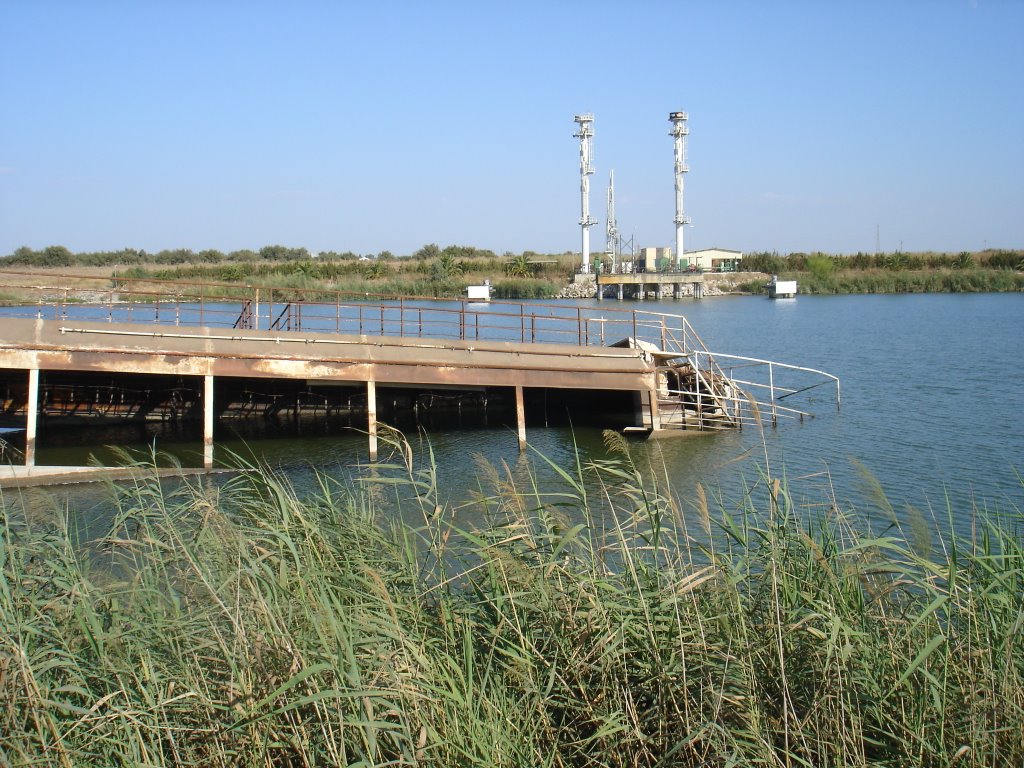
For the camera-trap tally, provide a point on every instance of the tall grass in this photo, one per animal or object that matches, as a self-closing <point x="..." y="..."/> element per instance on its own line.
<point x="599" y="621"/>
<point x="842" y="281"/>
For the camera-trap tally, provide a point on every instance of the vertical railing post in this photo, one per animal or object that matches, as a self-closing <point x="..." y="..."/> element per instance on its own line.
<point x="579" y="326"/>
<point x="696" y="386"/>
<point x="771" y="392"/>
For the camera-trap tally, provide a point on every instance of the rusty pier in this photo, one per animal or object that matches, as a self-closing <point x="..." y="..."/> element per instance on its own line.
<point x="208" y="353"/>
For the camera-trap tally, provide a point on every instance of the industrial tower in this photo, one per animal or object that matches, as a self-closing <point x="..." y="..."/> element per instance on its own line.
<point x="585" y="134"/>
<point x="678" y="133"/>
<point x="611" y="227"/>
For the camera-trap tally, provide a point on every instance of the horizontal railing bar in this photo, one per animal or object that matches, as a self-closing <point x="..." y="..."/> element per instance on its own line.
<point x="765" y="362"/>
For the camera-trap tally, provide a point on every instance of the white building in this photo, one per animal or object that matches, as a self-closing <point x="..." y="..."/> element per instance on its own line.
<point x="713" y="260"/>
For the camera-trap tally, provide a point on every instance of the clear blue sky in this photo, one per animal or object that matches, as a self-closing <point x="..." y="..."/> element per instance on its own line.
<point x="384" y="126"/>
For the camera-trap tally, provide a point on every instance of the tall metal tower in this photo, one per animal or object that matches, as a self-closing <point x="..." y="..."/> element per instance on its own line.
<point x="611" y="227"/>
<point x="585" y="134"/>
<point x="678" y="133"/>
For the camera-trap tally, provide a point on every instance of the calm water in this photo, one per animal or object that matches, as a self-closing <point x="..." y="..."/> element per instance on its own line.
<point x="933" y="406"/>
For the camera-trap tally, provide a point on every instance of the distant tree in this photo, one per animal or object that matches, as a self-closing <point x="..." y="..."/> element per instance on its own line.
<point x="376" y="269"/>
<point x="963" y="260"/>
<point x="429" y="251"/>
<point x="23" y="255"/>
<point x="175" y="256"/>
<point x="386" y="255"/>
<point x="283" y="253"/>
<point x="820" y="265"/>
<point x="57" y="256"/>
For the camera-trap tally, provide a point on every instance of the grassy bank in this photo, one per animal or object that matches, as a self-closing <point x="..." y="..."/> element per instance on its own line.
<point x="244" y="626"/>
<point x="886" y="281"/>
<point x="444" y="273"/>
<point x="984" y="272"/>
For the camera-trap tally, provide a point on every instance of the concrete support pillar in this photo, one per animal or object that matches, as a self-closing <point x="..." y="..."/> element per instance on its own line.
<point x="655" y="411"/>
<point x="208" y="423"/>
<point x="677" y="290"/>
<point x="371" y="416"/>
<point x="520" y="418"/>
<point x="619" y="291"/>
<point x="32" y="417"/>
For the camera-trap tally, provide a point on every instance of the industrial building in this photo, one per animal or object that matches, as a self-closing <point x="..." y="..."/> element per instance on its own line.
<point x="714" y="260"/>
<point x="649" y="259"/>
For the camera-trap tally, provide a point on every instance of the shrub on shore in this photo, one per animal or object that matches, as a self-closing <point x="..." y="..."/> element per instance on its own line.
<point x="243" y="625"/>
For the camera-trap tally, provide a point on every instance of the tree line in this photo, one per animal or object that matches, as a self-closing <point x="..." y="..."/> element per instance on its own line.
<point x="822" y="265"/>
<point x="60" y="256"/>
<point x="758" y="261"/>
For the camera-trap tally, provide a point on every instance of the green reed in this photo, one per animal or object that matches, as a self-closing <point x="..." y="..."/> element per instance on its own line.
<point x="596" y="619"/>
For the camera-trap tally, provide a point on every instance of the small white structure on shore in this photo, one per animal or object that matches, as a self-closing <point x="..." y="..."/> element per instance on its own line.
<point x="781" y="289"/>
<point x="479" y="292"/>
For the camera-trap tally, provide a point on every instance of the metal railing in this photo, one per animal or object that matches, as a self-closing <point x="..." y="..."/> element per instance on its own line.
<point x="242" y="308"/>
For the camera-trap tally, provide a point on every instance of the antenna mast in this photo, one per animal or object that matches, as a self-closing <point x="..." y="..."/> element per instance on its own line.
<point x="678" y="133"/>
<point x="585" y="134"/>
<point x="611" y="226"/>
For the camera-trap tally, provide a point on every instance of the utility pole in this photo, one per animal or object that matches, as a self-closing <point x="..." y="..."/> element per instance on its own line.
<point x="585" y="134"/>
<point x="611" y="227"/>
<point x="678" y="133"/>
